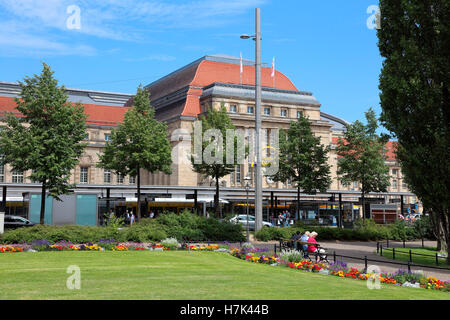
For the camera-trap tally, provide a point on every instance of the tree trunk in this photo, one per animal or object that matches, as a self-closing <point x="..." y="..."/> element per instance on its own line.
<point x="138" y="211"/>
<point x="363" y="200"/>
<point x="298" y="203"/>
<point x="42" y="215"/>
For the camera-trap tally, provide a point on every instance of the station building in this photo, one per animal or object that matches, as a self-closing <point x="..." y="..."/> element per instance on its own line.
<point x="179" y="99"/>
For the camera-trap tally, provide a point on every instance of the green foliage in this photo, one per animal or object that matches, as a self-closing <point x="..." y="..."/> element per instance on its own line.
<point x="414" y="41"/>
<point x="140" y="142"/>
<point x="364" y="230"/>
<point x="424" y="227"/>
<point x="302" y="158"/>
<point x="115" y="222"/>
<point x="170" y="243"/>
<point x="362" y="156"/>
<point x="75" y="234"/>
<point x="211" y="155"/>
<point x="293" y="256"/>
<point x="187" y="226"/>
<point x="47" y="138"/>
<point x="184" y="227"/>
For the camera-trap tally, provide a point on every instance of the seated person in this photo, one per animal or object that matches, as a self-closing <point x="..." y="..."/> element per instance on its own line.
<point x="304" y="238"/>
<point x="295" y="237"/>
<point x="313" y="249"/>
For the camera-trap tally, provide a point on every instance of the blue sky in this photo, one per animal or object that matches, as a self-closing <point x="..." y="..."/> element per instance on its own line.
<point x="322" y="46"/>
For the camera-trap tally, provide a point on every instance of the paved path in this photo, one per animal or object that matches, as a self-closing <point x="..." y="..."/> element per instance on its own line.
<point x="361" y="249"/>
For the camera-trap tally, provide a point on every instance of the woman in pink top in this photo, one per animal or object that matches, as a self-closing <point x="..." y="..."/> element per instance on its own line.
<point x="312" y="239"/>
<point x="312" y="248"/>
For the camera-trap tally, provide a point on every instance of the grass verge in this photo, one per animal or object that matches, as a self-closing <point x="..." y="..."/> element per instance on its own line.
<point x="178" y="275"/>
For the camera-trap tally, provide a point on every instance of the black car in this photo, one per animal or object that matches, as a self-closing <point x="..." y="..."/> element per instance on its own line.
<point x="13" y="222"/>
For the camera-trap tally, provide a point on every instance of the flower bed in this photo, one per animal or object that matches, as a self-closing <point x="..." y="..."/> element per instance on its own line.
<point x="307" y="266"/>
<point x="252" y="255"/>
<point x="340" y="269"/>
<point x="11" y="249"/>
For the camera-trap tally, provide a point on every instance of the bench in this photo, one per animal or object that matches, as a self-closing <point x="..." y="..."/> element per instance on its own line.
<point x="290" y="244"/>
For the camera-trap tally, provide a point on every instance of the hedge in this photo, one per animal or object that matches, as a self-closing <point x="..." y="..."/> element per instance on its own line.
<point x="184" y="226"/>
<point x="363" y="231"/>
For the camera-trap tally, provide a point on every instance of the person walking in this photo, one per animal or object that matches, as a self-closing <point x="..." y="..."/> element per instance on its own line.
<point x="280" y="220"/>
<point x="288" y="219"/>
<point x="132" y="218"/>
<point x="127" y="217"/>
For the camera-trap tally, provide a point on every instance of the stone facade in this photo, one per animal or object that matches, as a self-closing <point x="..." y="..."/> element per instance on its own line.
<point x="181" y="98"/>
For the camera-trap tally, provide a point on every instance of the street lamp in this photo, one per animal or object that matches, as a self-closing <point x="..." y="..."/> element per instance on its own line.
<point x="247" y="187"/>
<point x="258" y="163"/>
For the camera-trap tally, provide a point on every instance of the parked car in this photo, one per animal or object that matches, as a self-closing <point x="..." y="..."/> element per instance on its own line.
<point x="242" y="219"/>
<point x="13" y="222"/>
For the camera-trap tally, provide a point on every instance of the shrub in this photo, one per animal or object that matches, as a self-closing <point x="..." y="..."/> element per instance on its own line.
<point x="293" y="256"/>
<point x="183" y="227"/>
<point x="170" y="243"/>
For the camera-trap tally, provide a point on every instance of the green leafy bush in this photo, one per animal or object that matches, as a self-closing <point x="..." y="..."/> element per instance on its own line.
<point x="184" y="227"/>
<point x="364" y="230"/>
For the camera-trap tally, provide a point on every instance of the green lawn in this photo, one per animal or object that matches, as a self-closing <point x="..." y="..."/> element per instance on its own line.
<point x="402" y="254"/>
<point x="177" y="275"/>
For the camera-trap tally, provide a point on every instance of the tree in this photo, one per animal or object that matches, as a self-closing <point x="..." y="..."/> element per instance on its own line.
<point x="414" y="39"/>
<point x="303" y="159"/>
<point x="213" y="155"/>
<point x="46" y="137"/>
<point x="362" y="157"/>
<point x="140" y="142"/>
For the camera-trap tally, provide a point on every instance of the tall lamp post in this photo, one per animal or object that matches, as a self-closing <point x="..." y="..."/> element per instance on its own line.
<point x="258" y="162"/>
<point x="247" y="187"/>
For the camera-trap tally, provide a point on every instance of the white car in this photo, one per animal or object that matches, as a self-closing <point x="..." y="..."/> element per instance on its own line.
<point x="242" y="219"/>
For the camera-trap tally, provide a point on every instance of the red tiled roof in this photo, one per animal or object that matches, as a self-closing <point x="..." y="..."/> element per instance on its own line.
<point x="97" y="114"/>
<point x="207" y="72"/>
<point x="390" y="148"/>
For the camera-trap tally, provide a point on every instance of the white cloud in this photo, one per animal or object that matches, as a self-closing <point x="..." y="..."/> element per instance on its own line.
<point x="42" y="24"/>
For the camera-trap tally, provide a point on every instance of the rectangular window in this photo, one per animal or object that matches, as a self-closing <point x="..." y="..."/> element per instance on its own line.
<point x="17" y="176"/>
<point x="119" y="179"/>
<point x="86" y="137"/>
<point x="355" y="185"/>
<point x="250" y="109"/>
<point x="299" y="114"/>
<point x="394" y="184"/>
<point x="250" y="174"/>
<point x="283" y="113"/>
<point x="233" y="108"/>
<point x="267" y="111"/>
<point x="404" y="186"/>
<point x="394" y="172"/>
<point x="2" y="173"/>
<point x="84" y="174"/>
<point x="132" y="180"/>
<point x="107" y="176"/>
<point x="107" y="137"/>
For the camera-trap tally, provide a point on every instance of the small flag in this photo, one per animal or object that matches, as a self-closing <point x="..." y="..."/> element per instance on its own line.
<point x="273" y="68"/>
<point x="242" y="68"/>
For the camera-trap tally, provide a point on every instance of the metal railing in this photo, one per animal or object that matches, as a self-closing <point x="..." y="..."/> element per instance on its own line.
<point x="410" y="254"/>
